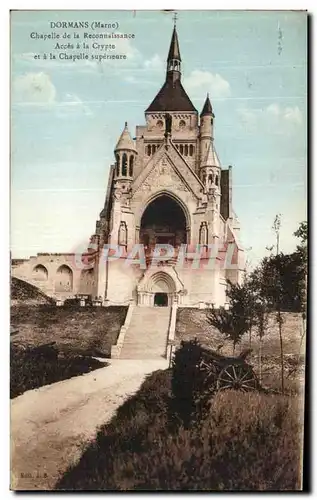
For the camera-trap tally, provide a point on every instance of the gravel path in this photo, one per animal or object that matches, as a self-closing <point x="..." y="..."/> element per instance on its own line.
<point x="51" y="426"/>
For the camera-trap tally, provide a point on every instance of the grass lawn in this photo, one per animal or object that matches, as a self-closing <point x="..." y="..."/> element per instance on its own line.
<point x="248" y="441"/>
<point x="79" y="330"/>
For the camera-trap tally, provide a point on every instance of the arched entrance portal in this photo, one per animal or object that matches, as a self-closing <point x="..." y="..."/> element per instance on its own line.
<point x="160" y="299"/>
<point x="163" y="222"/>
<point x="158" y="289"/>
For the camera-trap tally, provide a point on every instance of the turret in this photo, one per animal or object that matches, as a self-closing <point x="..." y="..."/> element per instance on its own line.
<point x="206" y="129"/>
<point x="125" y="153"/>
<point x="210" y="173"/>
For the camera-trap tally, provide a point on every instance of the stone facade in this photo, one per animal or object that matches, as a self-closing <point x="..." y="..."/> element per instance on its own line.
<point x="166" y="187"/>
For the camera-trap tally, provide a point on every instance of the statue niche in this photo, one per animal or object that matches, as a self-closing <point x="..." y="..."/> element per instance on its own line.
<point x="203" y="234"/>
<point x="123" y="234"/>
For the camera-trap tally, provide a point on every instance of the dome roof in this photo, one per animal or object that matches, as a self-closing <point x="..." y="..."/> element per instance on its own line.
<point x="125" y="141"/>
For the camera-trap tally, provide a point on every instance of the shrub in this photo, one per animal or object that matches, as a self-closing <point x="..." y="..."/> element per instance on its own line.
<point x="33" y="367"/>
<point x="188" y="391"/>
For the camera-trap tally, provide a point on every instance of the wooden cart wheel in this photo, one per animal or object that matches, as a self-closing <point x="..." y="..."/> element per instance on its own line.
<point x="239" y="377"/>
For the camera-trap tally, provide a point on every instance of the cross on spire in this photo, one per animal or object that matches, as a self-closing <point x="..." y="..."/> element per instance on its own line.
<point x="175" y="18"/>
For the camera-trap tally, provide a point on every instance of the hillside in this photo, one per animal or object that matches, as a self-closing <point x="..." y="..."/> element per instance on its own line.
<point x="24" y="293"/>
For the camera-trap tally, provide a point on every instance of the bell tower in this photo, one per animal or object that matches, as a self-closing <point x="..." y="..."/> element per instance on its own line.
<point x="125" y="153"/>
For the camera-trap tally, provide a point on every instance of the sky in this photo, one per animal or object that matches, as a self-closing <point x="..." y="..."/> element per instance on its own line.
<point x="66" y="116"/>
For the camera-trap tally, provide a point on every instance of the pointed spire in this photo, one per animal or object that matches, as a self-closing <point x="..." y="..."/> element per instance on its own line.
<point x="212" y="159"/>
<point x="174" y="52"/>
<point x="173" y="69"/>
<point x="207" y="109"/>
<point x="125" y="141"/>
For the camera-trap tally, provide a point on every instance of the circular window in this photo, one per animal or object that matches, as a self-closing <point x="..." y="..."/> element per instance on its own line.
<point x="182" y="124"/>
<point x="159" y="124"/>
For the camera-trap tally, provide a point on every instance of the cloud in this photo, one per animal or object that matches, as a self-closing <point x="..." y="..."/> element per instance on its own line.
<point x="37" y="89"/>
<point x="293" y="115"/>
<point x="155" y="63"/>
<point x="72" y="104"/>
<point x="34" y="88"/>
<point x="275" y="117"/>
<point x="204" y="81"/>
<point x="131" y="79"/>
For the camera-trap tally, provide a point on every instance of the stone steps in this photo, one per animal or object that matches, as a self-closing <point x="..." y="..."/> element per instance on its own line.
<point x="146" y="337"/>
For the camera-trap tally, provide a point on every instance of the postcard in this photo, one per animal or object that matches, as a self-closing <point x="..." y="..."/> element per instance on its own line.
<point x="158" y="250"/>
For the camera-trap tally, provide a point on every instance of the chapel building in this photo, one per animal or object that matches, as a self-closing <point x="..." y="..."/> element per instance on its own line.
<point x="166" y="187"/>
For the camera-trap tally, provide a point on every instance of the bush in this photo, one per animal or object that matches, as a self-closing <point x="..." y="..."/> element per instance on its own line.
<point x="248" y="441"/>
<point x="33" y="367"/>
<point x="188" y="389"/>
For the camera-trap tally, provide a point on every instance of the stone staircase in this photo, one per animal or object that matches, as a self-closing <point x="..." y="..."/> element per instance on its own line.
<point x="146" y="337"/>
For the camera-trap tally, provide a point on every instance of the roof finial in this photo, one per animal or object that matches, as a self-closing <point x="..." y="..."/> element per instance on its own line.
<point x="175" y="19"/>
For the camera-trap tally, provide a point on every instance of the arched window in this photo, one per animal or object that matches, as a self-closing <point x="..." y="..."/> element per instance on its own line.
<point x="117" y="165"/>
<point x="181" y="149"/>
<point x="131" y="166"/>
<point x="40" y="273"/>
<point x="124" y="164"/>
<point x="149" y="150"/>
<point x="153" y="149"/>
<point x="64" y="279"/>
<point x="191" y="150"/>
<point x="217" y="180"/>
<point x="186" y="149"/>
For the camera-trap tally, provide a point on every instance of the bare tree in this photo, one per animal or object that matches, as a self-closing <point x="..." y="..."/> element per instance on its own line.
<point x="277" y="283"/>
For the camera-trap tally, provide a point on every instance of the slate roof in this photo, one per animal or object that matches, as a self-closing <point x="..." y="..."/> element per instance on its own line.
<point x="171" y="97"/>
<point x="207" y="109"/>
<point x="174" y="52"/>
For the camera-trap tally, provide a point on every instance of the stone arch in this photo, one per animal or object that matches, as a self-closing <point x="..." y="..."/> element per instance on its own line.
<point x="40" y="273"/>
<point x="156" y="281"/>
<point x="165" y="192"/>
<point x="161" y="282"/>
<point x="180" y="225"/>
<point x="86" y="280"/>
<point x="64" y="279"/>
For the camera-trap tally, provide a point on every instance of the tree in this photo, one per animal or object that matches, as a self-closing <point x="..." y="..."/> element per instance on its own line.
<point x="291" y="272"/>
<point x="302" y="232"/>
<point x="241" y="315"/>
<point x="262" y="310"/>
